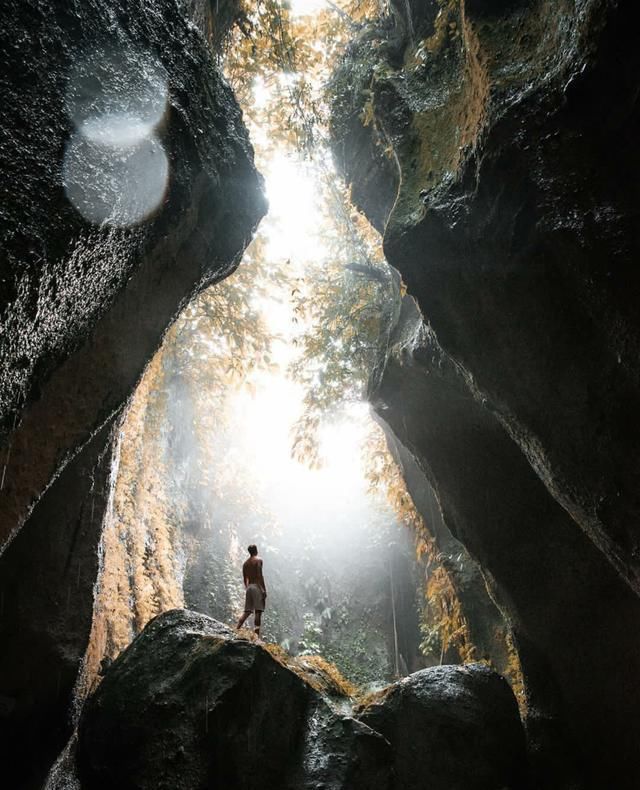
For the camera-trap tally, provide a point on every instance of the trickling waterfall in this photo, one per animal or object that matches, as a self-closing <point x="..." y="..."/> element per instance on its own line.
<point x="396" y="655"/>
<point x="62" y="775"/>
<point x="97" y="641"/>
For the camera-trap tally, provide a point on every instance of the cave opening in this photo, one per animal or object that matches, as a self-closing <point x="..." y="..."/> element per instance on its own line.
<point x="252" y="424"/>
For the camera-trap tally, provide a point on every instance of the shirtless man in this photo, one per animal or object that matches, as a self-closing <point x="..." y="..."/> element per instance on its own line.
<point x="256" y="595"/>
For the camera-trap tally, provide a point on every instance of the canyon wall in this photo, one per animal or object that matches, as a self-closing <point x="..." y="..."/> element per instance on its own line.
<point x="128" y="185"/>
<point x="495" y="144"/>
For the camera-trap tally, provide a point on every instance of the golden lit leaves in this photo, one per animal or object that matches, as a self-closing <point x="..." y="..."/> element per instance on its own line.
<point x="139" y="569"/>
<point x="443" y="623"/>
<point x="514" y="675"/>
<point x="443" y="617"/>
<point x="221" y="337"/>
<point x="347" y="306"/>
<point x="288" y="59"/>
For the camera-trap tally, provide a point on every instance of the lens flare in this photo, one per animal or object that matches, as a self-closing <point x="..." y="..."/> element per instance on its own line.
<point x="115" y="185"/>
<point x="115" y="170"/>
<point x="117" y="82"/>
<point x="116" y="130"/>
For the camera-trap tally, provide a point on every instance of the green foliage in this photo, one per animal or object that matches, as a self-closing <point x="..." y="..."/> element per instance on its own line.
<point x="311" y="640"/>
<point x="346" y="303"/>
<point x="349" y="305"/>
<point x="221" y="337"/>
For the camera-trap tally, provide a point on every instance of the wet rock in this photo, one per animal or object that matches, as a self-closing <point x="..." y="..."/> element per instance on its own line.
<point x="84" y="303"/>
<point x="340" y="753"/>
<point x="563" y="600"/>
<point x="90" y="279"/>
<point x="452" y="728"/>
<point x="522" y="253"/>
<point x="514" y="128"/>
<point x="190" y="705"/>
<point x="46" y="609"/>
<point x="187" y="704"/>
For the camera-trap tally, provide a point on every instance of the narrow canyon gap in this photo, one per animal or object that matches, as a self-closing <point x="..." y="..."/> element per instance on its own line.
<point x="353" y="281"/>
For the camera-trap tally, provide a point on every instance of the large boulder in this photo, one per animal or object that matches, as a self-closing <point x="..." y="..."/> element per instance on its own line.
<point x="191" y="706"/>
<point x="452" y="728"/>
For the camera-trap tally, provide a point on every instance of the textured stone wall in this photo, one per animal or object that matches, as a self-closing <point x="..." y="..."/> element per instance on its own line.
<point x="84" y="306"/>
<point x="511" y="130"/>
<point x="87" y="290"/>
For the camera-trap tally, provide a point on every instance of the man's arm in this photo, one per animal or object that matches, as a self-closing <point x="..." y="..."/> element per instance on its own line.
<point x="244" y="575"/>
<point x="261" y="580"/>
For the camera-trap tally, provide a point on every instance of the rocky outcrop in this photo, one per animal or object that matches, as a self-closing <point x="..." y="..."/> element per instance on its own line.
<point x="452" y="728"/>
<point x="564" y="602"/>
<point x="47" y="578"/>
<point x="513" y="225"/>
<point x="84" y="305"/>
<point x="512" y="128"/>
<point x="191" y="705"/>
<point x="128" y="184"/>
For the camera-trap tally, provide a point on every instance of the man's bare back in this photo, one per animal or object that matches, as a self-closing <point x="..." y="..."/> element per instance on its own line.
<point x="252" y="573"/>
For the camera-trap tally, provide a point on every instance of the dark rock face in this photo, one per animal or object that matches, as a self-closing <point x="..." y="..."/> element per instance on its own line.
<point x="514" y="226"/>
<point x="190" y="705"/>
<point x="514" y="129"/>
<point x="186" y="703"/>
<point x="452" y="728"/>
<point x="83" y="306"/>
<point x="47" y="576"/>
<point x="563" y="600"/>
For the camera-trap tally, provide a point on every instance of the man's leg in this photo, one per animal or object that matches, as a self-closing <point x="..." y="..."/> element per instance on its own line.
<point x="257" y="620"/>
<point x="241" y="621"/>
